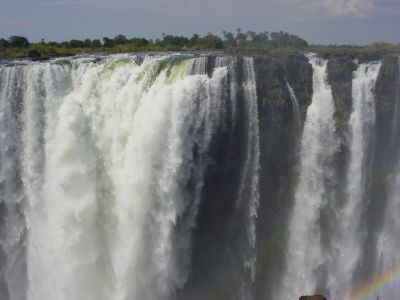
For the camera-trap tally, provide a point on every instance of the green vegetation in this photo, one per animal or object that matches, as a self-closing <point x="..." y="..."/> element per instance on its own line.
<point x="17" y="46"/>
<point x="368" y="52"/>
<point x="234" y="43"/>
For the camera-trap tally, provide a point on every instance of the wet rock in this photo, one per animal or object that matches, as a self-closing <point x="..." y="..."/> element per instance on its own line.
<point x="315" y="297"/>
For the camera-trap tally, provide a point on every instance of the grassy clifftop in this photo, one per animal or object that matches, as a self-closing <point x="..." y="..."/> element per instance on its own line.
<point x="17" y="46"/>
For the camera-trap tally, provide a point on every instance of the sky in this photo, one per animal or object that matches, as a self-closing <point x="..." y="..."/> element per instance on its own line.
<point x="317" y="21"/>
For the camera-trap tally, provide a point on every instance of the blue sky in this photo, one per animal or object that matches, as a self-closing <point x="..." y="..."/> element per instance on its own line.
<point x="318" y="21"/>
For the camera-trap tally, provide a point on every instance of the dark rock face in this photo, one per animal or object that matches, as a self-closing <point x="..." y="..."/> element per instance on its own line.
<point x="220" y="222"/>
<point x="340" y="73"/>
<point x="280" y="136"/>
<point x="387" y="92"/>
<point x="279" y="143"/>
<point x="387" y="149"/>
<point x="215" y="272"/>
<point x="315" y="297"/>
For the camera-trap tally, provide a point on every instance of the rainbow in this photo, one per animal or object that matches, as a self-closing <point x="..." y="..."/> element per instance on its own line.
<point x="376" y="284"/>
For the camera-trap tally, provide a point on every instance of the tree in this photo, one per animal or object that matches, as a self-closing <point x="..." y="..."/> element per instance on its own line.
<point x="18" y="41"/>
<point x="251" y="35"/>
<point x="138" y="42"/>
<point x="65" y="44"/>
<point x="284" y="39"/>
<point x="95" y="43"/>
<point x="211" y="42"/>
<point x="261" y="38"/>
<point x="76" y="44"/>
<point x="194" y="40"/>
<point x="53" y="44"/>
<point x="240" y="37"/>
<point x="229" y="39"/>
<point x="107" y="42"/>
<point x="87" y="43"/>
<point x="120" y="40"/>
<point x="176" y="40"/>
<point x="4" y="43"/>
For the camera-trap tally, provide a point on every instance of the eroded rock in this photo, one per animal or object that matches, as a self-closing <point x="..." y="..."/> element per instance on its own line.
<point x="315" y="297"/>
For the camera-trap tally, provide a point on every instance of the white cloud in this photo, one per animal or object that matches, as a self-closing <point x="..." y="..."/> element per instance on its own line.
<point x="111" y="2"/>
<point x="388" y="7"/>
<point x="335" y="8"/>
<point x="67" y="2"/>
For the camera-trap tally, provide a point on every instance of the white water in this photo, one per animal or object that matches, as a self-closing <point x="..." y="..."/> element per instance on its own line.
<point x="295" y="104"/>
<point x="350" y="232"/>
<point x="250" y="177"/>
<point x="113" y="182"/>
<point x="232" y="64"/>
<point x="396" y="118"/>
<point x="388" y="243"/>
<point x="102" y="167"/>
<point x="318" y="146"/>
<point x="12" y="223"/>
<point x="250" y="172"/>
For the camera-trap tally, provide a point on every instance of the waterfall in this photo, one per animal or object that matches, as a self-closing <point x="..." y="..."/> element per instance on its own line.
<point x="102" y="171"/>
<point x="295" y="105"/>
<point x="396" y="112"/>
<point x="12" y="196"/>
<point x="305" y="255"/>
<point x="232" y="64"/>
<point x="388" y="237"/>
<point x="195" y="176"/>
<point x="250" y="177"/>
<point x="198" y="65"/>
<point x="348" y="238"/>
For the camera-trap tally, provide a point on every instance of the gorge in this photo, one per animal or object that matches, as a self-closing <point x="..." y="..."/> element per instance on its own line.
<point x="200" y="176"/>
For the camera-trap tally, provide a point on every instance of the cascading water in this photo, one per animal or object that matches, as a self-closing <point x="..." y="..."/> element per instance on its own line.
<point x="396" y="118"/>
<point x="348" y="237"/>
<point x="102" y="171"/>
<point x="248" y="188"/>
<point x="295" y="104"/>
<point x="388" y="241"/>
<point x="12" y="197"/>
<point x="164" y="177"/>
<point x="305" y="255"/>
<point x="323" y="258"/>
